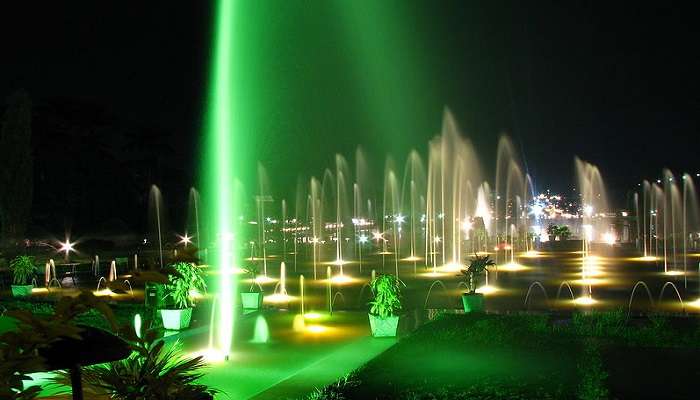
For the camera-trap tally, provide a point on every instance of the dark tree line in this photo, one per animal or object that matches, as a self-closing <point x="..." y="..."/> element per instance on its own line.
<point x="16" y="167"/>
<point x="71" y="164"/>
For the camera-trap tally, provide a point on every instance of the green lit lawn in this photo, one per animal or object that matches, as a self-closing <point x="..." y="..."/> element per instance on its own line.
<point x="534" y="357"/>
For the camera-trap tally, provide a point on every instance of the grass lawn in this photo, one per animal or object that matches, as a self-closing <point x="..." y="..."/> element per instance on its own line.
<point x="586" y="356"/>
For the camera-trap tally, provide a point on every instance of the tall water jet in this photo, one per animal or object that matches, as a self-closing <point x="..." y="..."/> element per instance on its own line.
<point x="224" y="162"/>
<point x="156" y="220"/>
<point x="691" y="220"/>
<point x="262" y="198"/>
<point x="193" y="228"/>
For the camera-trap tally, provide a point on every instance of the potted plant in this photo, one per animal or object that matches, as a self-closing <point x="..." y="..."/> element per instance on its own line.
<point x="383" y="320"/>
<point x="473" y="301"/>
<point x="252" y="300"/>
<point x="184" y="279"/>
<point x="23" y="270"/>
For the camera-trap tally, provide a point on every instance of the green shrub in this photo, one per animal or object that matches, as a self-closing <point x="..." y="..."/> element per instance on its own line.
<point x="387" y="296"/>
<point x="23" y="270"/>
<point x="185" y="278"/>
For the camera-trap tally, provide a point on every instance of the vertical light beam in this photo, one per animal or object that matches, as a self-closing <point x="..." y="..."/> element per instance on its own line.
<point x="219" y="182"/>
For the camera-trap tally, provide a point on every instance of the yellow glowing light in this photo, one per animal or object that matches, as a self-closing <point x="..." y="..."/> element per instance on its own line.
<point x="312" y="315"/>
<point x="434" y="274"/>
<point x="210" y="355"/>
<point x="263" y="279"/>
<point x="411" y="258"/>
<point x="339" y="262"/>
<point x="609" y="238"/>
<point x="589" y="281"/>
<point x="694" y="304"/>
<point x="530" y="254"/>
<point x="103" y="292"/>
<point x="467" y="226"/>
<point x="278" y="298"/>
<point x="342" y="279"/>
<point x="585" y="301"/>
<point x="487" y="289"/>
<point x="644" y="258"/>
<point x="673" y="273"/>
<point x="512" y="267"/>
<point x="315" y="329"/>
<point x="451" y="267"/>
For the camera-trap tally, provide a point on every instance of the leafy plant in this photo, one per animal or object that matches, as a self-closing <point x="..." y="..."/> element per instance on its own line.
<point x="155" y="371"/>
<point x="19" y="348"/>
<point x="477" y="266"/>
<point x="183" y="278"/>
<point x="253" y="271"/>
<point x="23" y="270"/>
<point x="387" y="296"/>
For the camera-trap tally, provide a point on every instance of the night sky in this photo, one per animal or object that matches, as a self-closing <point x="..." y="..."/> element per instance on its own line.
<point x="615" y="85"/>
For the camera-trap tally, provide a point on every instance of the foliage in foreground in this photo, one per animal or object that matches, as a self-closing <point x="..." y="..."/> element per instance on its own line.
<point x="155" y="371"/>
<point x="19" y="349"/>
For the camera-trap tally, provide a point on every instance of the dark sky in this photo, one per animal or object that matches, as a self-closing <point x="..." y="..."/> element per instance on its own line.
<point x="614" y="84"/>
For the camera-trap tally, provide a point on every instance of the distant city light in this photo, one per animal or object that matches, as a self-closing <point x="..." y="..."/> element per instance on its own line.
<point x="363" y="239"/>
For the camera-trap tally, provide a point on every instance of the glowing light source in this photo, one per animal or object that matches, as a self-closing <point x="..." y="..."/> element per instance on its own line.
<point x="694" y="304"/>
<point x="467" y="226"/>
<point x="312" y="316"/>
<point x="585" y="301"/>
<point x="376" y="235"/>
<point x="279" y="298"/>
<point x="315" y="329"/>
<point x="66" y="246"/>
<point x="363" y="239"/>
<point x="673" y="273"/>
<point x="137" y="325"/>
<point x="185" y="240"/>
<point x="487" y="290"/>
<point x="451" y="267"/>
<point x="211" y="355"/>
<point x="263" y="279"/>
<point x="609" y="238"/>
<point x="512" y="267"/>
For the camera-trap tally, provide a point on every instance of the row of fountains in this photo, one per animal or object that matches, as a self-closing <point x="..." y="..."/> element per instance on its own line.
<point x="436" y="212"/>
